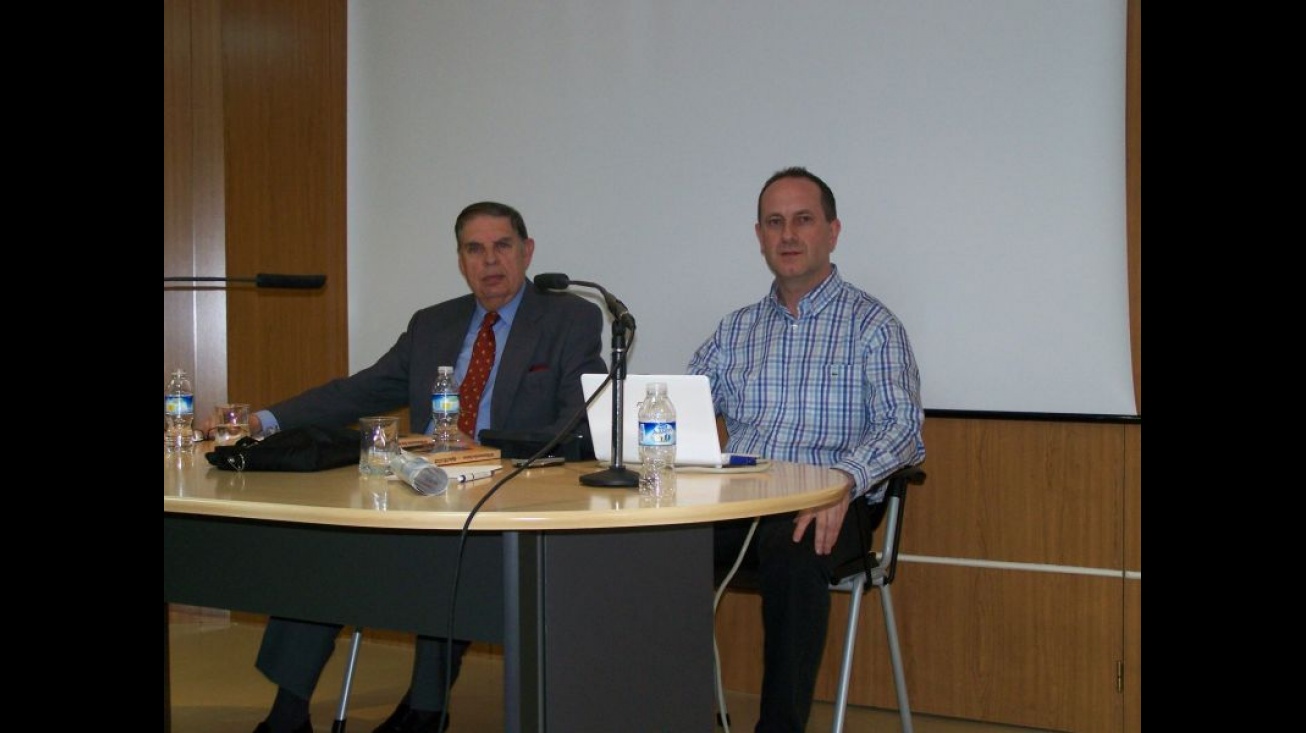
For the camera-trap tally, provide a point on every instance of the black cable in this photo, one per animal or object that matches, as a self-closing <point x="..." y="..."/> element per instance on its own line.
<point x="462" y="537"/>
<point x="723" y="715"/>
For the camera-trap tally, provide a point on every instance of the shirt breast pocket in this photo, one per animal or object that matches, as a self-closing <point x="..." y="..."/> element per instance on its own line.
<point x="830" y="392"/>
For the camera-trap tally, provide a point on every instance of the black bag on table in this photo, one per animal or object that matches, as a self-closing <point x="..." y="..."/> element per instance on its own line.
<point x="310" y="448"/>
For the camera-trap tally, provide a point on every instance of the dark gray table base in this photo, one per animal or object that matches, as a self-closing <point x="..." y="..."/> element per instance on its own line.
<point x="603" y="630"/>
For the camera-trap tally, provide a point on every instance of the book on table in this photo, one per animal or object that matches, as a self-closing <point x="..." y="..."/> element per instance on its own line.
<point x="448" y="455"/>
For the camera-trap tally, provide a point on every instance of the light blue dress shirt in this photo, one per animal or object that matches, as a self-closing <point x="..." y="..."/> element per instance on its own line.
<point x="837" y="385"/>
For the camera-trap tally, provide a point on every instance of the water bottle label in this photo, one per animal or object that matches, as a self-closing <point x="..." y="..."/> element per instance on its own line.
<point x="657" y="433"/>
<point x="179" y="404"/>
<point x="443" y="404"/>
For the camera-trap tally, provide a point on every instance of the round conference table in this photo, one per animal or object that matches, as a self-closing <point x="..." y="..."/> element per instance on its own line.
<point x="549" y="498"/>
<point x="601" y="598"/>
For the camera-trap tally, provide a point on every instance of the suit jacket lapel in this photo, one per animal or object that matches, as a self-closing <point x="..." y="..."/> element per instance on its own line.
<point x="451" y="331"/>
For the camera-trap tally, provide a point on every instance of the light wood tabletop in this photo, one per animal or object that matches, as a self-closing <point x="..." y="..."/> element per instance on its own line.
<point x="603" y="593"/>
<point x="538" y="499"/>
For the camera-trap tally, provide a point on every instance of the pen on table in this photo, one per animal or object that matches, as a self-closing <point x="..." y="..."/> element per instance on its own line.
<point x="475" y="475"/>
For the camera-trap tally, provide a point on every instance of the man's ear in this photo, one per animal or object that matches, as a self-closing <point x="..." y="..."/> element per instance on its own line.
<point x="528" y="251"/>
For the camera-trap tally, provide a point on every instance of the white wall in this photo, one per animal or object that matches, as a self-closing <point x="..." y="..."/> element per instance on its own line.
<point x="976" y="149"/>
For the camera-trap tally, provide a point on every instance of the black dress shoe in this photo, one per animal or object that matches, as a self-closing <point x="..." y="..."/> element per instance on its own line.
<point x="406" y="720"/>
<point x="305" y="727"/>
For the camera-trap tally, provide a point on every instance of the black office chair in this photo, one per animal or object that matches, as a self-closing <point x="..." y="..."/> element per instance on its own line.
<point x="856" y="577"/>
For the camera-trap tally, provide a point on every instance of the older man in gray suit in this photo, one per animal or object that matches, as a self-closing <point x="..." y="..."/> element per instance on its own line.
<point x="545" y="342"/>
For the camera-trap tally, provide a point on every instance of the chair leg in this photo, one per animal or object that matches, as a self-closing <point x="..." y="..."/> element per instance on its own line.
<point x="895" y="655"/>
<point x="342" y="711"/>
<point x="849" y="642"/>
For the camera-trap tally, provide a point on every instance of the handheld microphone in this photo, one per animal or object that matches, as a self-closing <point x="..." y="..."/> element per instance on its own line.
<point x="425" y="477"/>
<point x="558" y="281"/>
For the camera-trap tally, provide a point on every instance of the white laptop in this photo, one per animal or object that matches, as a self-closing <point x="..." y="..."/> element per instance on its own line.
<point x="697" y="443"/>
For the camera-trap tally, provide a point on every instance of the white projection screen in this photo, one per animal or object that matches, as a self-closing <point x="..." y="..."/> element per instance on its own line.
<point x="976" y="149"/>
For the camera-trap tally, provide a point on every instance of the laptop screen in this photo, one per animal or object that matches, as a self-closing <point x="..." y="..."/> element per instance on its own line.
<point x="697" y="443"/>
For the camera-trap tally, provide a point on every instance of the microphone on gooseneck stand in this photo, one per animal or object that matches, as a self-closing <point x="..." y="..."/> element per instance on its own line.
<point x="622" y="322"/>
<point x="558" y="281"/>
<point x="552" y="281"/>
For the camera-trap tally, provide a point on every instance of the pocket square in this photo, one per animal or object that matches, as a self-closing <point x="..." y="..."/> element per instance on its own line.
<point x="538" y="368"/>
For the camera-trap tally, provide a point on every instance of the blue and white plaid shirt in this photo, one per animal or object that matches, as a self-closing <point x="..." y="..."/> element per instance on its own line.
<point x="835" y="386"/>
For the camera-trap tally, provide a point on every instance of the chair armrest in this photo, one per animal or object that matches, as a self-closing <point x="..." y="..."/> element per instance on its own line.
<point x="896" y="498"/>
<point x="900" y="479"/>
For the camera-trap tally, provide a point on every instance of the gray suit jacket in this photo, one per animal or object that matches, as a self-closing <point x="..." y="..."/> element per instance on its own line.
<point x="555" y="337"/>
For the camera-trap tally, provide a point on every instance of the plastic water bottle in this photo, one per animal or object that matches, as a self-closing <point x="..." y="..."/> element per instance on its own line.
<point x="178" y="414"/>
<point x="657" y="441"/>
<point x="444" y="406"/>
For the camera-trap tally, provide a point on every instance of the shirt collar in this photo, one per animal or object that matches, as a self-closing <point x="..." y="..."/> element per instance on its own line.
<point x="506" y="313"/>
<point x="817" y="298"/>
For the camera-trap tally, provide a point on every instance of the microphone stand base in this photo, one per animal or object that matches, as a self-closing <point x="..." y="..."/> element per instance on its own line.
<point x="615" y="477"/>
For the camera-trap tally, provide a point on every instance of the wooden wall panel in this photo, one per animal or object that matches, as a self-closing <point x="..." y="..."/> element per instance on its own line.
<point x="194" y="317"/>
<point x="1133" y="519"/>
<point x="178" y="250"/>
<point x="739" y="641"/>
<point x="1133" y="611"/>
<point x="1016" y="647"/>
<point x="1024" y="648"/>
<point x="1019" y="491"/>
<point x="1134" y="187"/>
<point x="1133" y="661"/>
<point x="1035" y="645"/>
<point x="284" y="89"/>
<point x="1133" y="641"/>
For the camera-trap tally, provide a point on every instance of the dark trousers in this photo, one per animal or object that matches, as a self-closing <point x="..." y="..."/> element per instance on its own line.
<point x="293" y="654"/>
<point x="795" y="586"/>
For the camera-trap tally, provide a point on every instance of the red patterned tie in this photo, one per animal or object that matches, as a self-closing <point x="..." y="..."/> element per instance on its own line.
<point x="478" y="371"/>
